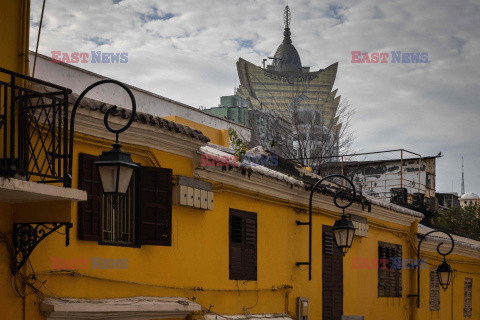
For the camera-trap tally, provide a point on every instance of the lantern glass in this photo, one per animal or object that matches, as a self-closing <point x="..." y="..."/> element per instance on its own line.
<point x="115" y="178"/>
<point x="343" y="230"/>
<point x="444" y="272"/>
<point x="116" y="169"/>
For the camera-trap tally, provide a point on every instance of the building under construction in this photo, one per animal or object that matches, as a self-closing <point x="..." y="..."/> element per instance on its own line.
<point x="286" y="89"/>
<point x="406" y="181"/>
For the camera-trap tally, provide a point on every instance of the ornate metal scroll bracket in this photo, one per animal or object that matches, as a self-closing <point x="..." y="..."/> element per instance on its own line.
<point x="26" y="236"/>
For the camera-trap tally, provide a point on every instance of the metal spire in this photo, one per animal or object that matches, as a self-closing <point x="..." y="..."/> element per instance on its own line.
<point x="286" y="21"/>
<point x="463" y="180"/>
<point x="286" y="17"/>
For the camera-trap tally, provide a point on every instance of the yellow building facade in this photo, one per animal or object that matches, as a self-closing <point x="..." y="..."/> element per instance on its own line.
<point x="190" y="273"/>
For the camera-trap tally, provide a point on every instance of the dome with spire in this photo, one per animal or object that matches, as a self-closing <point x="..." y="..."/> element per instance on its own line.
<point x="286" y="57"/>
<point x="469" y="199"/>
<point x="470" y="196"/>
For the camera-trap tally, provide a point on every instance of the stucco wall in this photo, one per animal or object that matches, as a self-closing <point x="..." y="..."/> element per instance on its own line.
<point x="14" y="23"/>
<point x="198" y="257"/>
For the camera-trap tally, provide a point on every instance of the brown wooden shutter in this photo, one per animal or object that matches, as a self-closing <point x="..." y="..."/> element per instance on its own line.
<point x="332" y="277"/>
<point x="90" y="211"/>
<point x="327" y="239"/>
<point x="155" y="206"/>
<point x="250" y="247"/>
<point x="243" y="245"/>
<point x="236" y="247"/>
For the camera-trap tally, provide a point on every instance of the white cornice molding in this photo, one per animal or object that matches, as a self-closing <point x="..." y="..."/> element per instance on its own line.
<point x="91" y="123"/>
<point x="274" y="316"/>
<point x="133" y="308"/>
<point x="295" y="194"/>
<point x="460" y="249"/>
<point x="463" y="246"/>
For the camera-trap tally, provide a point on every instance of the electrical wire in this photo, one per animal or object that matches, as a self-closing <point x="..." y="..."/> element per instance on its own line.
<point x="188" y="289"/>
<point x="38" y="38"/>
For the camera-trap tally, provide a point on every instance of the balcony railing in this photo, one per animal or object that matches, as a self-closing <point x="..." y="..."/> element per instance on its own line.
<point x="33" y="129"/>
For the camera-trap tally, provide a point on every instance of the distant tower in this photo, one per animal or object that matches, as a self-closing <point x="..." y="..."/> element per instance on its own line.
<point x="463" y="179"/>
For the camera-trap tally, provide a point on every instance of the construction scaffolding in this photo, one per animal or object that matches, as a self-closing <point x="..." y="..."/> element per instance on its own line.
<point x="407" y="177"/>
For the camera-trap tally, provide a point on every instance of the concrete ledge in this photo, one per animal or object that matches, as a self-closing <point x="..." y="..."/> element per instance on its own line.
<point x="250" y="316"/>
<point x="121" y="308"/>
<point x="19" y="191"/>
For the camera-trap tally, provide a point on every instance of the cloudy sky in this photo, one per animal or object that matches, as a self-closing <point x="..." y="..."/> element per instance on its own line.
<point x="186" y="50"/>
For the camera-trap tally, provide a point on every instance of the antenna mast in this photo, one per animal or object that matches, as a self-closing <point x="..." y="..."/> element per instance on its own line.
<point x="463" y="179"/>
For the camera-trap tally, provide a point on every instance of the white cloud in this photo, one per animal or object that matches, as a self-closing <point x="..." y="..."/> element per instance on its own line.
<point x="186" y="50"/>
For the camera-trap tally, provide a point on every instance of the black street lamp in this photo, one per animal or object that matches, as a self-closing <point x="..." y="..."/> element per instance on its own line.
<point x="115" y="166"/>
<point x="116" y="169"/>
<point x="444" y="271"/>
<point x="343" y="229"/>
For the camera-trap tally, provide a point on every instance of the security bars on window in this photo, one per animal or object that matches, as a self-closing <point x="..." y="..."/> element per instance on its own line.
<point x="119" y="223"/>
<point x="434" y="291"/>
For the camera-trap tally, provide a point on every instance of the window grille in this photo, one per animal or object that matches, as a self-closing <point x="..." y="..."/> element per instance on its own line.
<point x="119" y="223"/>
<point x="467" y="309"/>
<point x="434" y="291"/>
<point x="389" y="270"/>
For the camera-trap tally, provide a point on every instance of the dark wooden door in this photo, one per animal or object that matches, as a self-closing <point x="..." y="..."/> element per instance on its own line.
<point x="332" y="277"/>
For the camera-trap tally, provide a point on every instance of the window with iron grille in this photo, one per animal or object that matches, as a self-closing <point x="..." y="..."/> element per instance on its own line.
<point x="467" y="308"/>
<point x="389" y="270"/>
<point x="434" y="291"/>
<point x="143" y="216"/>
<point x="118" y="225"/>
<point x="243" y="245"/>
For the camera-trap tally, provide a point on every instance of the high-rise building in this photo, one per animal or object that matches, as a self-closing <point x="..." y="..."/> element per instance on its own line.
<point x="286" y="83"/>
<point x="287" y="89"/>
<point x="233" y="108"/>
<point x="266" y="130"/>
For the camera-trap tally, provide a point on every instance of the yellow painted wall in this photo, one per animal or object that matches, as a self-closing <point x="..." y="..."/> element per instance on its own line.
<point x="454" y="296"/>
<point x="361" y="285"/>
<point x="14" y="33"/>
<point x="10" y="304"/>
<point x="198" y="257"/>
<point x="218" y="137"/>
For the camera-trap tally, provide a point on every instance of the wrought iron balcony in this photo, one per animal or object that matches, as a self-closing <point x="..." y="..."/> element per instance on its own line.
<point x="34" y="135"/>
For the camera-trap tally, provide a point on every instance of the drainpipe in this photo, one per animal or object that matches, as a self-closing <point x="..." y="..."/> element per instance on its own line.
<point x="451" y="310"/>
<point x="401" y="168"/>
<point x="287" y="293"/>
<point x="414" y="311"/>
<point x="22" y="61"/>
<point x="419" y="176"/>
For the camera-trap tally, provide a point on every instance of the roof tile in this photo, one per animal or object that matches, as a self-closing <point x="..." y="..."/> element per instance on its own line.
<point x="144" y="118"/>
